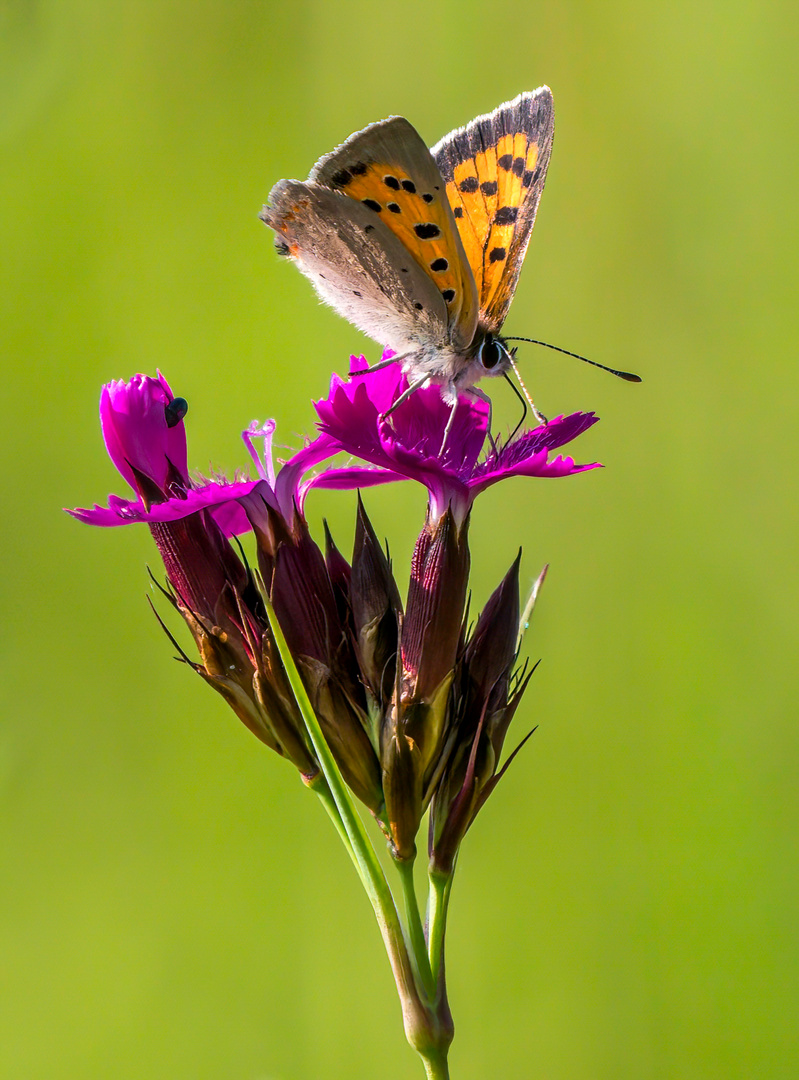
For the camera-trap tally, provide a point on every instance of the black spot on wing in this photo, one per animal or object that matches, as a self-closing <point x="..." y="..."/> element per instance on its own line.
<point x="439" y="265"/>
<point x="359" y="168"/>
<point x="427" y="230"/>
<point x="469" y="185"/>
<point x="457" y="211"/>
<point x="428" y="198"/>
<point x="391" y="182"/>
<point x="489" y="187"/>
<point x="418" y="306"/>
<point x="341" y="178"/>
<point x="393" y="207"/>
<point x="372" y="204"/>
<point x="529" y="115"/>
<point x="449" y="295"/>
<point x="496" y="254"/>
<point x="409" y="186"/>
<point x="506" y="215"/>
<point x="518" y="166"/>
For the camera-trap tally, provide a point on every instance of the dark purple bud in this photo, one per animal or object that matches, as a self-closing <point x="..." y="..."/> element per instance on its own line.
<point x="344" y="727"/>
<point x="315" y="624"/>
<point x="436" y="601"/>
<point x="256" y="688"/>
<point x="376" y="609"/>
<point x="415" y="741"/>
<point x="338" y="569"/>
<point x="199" y="562"/>
<point x="491" y="650"/>
<point x="454" y="804"/>
<point x="303" y="597"/>
<point x="402" y="789"/>
<point x="340" y="574"/>
<point x="413" y="749"/>
<point x="497" y="733"/>
<point x="216" y="595"/>
<point x="486" y="697"/>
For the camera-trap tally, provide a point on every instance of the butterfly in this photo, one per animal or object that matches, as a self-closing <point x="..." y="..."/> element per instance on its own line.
<point x="421" y="249"/>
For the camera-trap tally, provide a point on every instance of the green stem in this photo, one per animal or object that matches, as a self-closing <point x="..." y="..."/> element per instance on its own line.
<point x="436" y="1067"/>
<point x="440" y="888"/>
<point x="363" y="854"/>
<point x="415" y="931"/>
<point x="320" y="787"/>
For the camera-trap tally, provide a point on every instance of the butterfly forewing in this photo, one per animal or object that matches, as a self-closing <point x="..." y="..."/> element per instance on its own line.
<point x="494" y="170"/>
<point x="357" y="265"/>
<point x="387" y="169"/>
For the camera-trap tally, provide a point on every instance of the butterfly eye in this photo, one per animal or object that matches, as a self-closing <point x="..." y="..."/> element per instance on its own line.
<point x="490" y="353"/>
<point x="175" y="411"/>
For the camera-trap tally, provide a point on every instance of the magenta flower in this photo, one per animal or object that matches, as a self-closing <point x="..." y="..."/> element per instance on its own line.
<point x="408" y="443"/>
<point x="144" y="436"/>
<point x="142" y="424"/>
<point x="215" y="590"/>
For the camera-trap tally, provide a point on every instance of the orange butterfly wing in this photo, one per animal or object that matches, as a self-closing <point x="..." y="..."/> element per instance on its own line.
<point x="388" y="168"/>
<point x="494" y="170"/>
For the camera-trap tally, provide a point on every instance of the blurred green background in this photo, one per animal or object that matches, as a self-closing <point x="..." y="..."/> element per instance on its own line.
<point x="174" y="904"/>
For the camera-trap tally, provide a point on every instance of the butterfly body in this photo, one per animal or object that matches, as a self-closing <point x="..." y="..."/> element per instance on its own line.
<point x="421" y="249"/>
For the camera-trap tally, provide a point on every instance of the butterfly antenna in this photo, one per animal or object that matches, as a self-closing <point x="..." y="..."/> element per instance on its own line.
<point x="628" y="375"/>
<point x="538" y="415"/>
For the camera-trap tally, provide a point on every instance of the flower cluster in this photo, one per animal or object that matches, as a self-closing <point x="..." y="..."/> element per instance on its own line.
<point x="413" y="704"/>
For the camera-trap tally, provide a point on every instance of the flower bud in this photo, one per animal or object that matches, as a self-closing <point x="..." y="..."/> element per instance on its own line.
<point x="217" y="597"/>
<point x="436" y="600"/>
<point x="414" y="737"/>
<point x="486" y="697"/>
<point x="415" y="731"/>
<point x="309" y="612"/>
<point x="340" y="574"/>
<point x="376" y="611"/>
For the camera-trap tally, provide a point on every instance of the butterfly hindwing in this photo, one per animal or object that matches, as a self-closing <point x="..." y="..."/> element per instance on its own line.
<point x="357" y="265"/>
<point x="388" y="169"/>
<point x="494" y="170"/>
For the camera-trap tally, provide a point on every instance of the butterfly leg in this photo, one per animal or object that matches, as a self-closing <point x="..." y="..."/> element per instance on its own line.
<point x="481" y="395"/>
<point x="448" y="428"/>
<point x="379" y="365"/>
<point x="404" y="395"/>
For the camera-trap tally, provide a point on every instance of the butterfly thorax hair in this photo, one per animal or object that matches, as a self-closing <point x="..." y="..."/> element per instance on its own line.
<point x="456" y="372"/>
